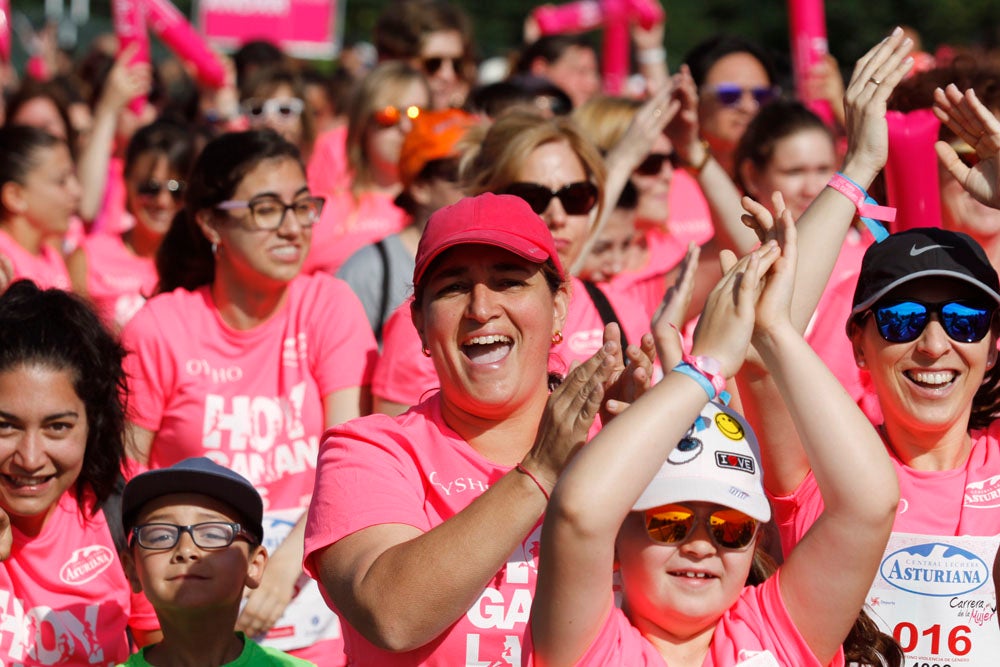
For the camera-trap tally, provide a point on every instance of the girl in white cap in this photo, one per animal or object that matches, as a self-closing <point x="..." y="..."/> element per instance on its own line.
<point x="685" y="533"/>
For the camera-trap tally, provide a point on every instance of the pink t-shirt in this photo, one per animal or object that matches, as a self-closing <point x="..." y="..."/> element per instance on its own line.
<point x="755" y="632"/>
<point x="348" y="223"/>
<point x="327" y="171"/>
<point x="934" y="590"/>
<point x="252" y="401"/>
<point x="403" y="375"/>
<point x="690" y="216"/>
<point x="113" y="218"/>
<point x="64" y="598"/>
<point x="118" y="280"/>
<point x="46" y="269"/>
<point x="415" y="470"/>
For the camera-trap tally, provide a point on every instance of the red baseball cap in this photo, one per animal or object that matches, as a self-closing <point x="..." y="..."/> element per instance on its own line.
<point x="504" y="221"/>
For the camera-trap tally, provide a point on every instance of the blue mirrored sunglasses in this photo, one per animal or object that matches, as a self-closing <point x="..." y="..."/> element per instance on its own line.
<point x="903" y="321"/>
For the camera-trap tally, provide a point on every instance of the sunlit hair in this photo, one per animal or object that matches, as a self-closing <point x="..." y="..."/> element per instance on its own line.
<point x="775" y="121"/>
<point x="57" y="330"/>
<point x="185" y="257"/>
<point x="21" y="147"/>
<point x="163" y="138"/>
<point x="403" y="26"/>
<point x="382" y="85"/>
<point x="507" y="144"/>
<point x="605" y="118"/>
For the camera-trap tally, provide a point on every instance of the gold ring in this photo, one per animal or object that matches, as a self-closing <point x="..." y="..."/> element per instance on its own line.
<point x="875" y="81"/>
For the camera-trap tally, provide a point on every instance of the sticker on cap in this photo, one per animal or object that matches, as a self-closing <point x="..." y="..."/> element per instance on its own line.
<point x="734" y="461"/>
<point x="729" y="426"/>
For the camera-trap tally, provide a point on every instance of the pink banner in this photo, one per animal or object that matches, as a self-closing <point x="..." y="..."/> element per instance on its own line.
<point x="911" y="174"/>
<point x="5" y="30"/>
<point x="807" y="25"/>
<point x="302" y="28"/>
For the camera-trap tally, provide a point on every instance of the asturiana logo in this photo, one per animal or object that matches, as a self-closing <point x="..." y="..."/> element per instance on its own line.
<point x="85" y="564"/>
<point x="934" y="569"/>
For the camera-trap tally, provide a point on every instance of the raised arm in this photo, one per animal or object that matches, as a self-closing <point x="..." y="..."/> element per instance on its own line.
<point x="378" y="576"/>
<point x="824" y="588"/>
<point x="821" y="229"/>
<point x="600" y="486"/>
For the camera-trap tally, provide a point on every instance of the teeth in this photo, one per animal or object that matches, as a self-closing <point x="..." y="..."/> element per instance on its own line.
<point x="489" y="340"/>
<point x="26" y="481"/>
<point x="286" y="250"/>
<point x="934" y="378"/>
<point x="695" y="575"/>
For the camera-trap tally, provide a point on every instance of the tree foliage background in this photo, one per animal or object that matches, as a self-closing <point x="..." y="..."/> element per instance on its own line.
<point x="852" y="25"/>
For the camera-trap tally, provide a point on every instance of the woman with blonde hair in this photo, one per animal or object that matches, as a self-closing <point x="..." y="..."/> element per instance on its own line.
<point x="356" y="168"/>
<point x="550" y="164"/>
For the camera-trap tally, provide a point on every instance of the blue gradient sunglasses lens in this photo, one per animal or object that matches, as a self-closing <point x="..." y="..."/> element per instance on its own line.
<point x="903" y="321"/>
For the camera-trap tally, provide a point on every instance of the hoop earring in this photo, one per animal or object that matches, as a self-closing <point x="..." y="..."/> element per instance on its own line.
<point x="426" y="351"/>
<point x="557" y="337"/>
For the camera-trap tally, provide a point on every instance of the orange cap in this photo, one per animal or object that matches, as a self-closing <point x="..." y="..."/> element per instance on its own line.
<point x="433" y="136"/>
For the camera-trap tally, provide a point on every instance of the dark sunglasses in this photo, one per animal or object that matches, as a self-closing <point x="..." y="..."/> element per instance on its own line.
<point x="728" y="528"/>
<point x="154" y="188"/>
<point x="576" y="198"/>
<point x="903" y="321"/>
<point x="432" y="65"/>
<point x="653" y="163"/>
<point x="390" y="116"/>
<point x="730" y="94"/>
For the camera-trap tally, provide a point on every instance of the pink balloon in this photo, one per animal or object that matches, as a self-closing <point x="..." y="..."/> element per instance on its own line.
<point x="176" y="32"/>
<point x="807" y="25"/>
<point x="129" y="18"/>
<point x="911" y="174"/>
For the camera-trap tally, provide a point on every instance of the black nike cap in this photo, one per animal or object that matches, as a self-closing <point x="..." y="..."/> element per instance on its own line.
<point x="922" y="252"/>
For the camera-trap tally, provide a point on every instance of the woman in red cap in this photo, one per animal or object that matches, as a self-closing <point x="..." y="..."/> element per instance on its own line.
<point x="424" y="528"/>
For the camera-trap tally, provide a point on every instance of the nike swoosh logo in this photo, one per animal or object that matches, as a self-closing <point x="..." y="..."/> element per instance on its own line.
<point x="914" y="251"/>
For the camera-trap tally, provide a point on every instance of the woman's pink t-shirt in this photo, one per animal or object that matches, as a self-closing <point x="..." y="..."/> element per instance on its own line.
<point x="46" y="269"/>
<point x="415" y="470"/>
<point x="64" y="598"/>
<point x="118" y="280"/>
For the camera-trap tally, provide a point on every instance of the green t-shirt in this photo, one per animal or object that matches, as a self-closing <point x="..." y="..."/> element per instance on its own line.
<point x="253" y="654"/>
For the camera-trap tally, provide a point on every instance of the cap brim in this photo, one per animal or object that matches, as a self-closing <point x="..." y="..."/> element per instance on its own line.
<point x="936" y="273"/>
<point x="667" y="490"/>
<point x="518" y="245"/>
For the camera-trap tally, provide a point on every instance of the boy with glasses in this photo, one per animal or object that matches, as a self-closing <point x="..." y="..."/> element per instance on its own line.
<point x="194" y="543"/>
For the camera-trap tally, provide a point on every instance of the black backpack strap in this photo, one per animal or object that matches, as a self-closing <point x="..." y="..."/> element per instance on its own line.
<point x="384" y="303"/>
<point x="112" y="507"/>
<point x="608" y="314"/>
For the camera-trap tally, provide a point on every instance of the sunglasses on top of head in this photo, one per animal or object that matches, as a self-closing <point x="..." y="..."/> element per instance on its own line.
<point x="730" y="94"/>
<point x="576" y="198"/>
<point x="727" y="528"/>
<point x="903" y="321"/>
<point x="653" y="164"/>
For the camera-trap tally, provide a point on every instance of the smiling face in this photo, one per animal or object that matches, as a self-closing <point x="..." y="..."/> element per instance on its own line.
<point x="43" y="438"/>
<point x="554" y="165"/>
<point x="153" y="212"/>
<point x="257" y="258"/>
<point x="926" y="385"/>
<point x="683" y="589"/>
<point x="383" y="144"/>
<point x="723" y="125"/>
<point x="654" y="189"/>
<point x="800" y="167"/>
<point x="609" y="254"/>
<point x="442" y="51"/>
<point x="187" y="576"/>
<point x="488" y="316"/>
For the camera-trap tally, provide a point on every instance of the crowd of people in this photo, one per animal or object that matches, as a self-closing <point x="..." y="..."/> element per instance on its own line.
<point x="415" y="364"/>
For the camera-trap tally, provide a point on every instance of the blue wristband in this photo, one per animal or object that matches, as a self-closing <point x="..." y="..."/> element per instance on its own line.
<point x="685" y="368"/>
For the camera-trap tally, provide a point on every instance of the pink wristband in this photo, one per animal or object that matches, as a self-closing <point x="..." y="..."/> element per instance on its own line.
<point x="710" y="368"/>
<point x="867" y="208"/>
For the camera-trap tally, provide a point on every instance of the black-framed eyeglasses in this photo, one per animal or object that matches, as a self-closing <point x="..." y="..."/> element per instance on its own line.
<point x="285" y="108"/>
<point x="730" y="94"/>
<point x="268" y="212"/>
<point x="433" y="64"/>
<point x="903" y="321"/>
<point x="153" y="188"/>
<point x="207" y="535"/>
<point x="653" y="163"/>
<point x="576" y="198"/>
